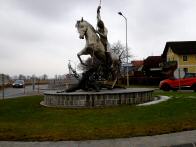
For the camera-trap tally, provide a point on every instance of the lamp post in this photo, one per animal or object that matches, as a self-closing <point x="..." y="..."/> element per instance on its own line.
<point x="120" y="13"/>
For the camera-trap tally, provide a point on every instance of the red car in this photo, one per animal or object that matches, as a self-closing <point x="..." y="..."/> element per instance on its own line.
<point x="187" y="82"/>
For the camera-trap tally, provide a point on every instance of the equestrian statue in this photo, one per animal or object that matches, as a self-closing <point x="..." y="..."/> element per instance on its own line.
<point x="106" y="64"/>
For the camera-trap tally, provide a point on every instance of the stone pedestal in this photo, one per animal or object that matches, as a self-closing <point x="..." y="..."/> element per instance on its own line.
<point x="82" y="99"/>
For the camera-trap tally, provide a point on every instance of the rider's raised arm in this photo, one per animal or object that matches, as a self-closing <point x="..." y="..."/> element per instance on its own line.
<point x="98" y="13"/>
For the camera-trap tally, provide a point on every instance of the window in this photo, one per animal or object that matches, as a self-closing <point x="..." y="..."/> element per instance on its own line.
<point x="186" y="70"/>
<point x="185" y="58"/>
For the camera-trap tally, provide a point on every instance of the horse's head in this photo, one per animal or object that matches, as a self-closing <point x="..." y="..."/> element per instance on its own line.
<point x="81" y="25"/>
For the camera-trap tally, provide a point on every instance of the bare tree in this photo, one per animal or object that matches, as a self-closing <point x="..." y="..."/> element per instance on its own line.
<point x="44" y="77"/>
<point x="22" y="77"/>
<point x="119" y="49"/>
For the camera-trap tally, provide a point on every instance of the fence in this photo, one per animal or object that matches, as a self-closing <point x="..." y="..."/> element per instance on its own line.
<point x="150" y="81"/>
<point x="61" y="84"/>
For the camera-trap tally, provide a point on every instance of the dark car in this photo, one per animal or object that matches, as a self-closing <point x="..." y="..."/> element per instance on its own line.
<point x="18" y="84"/>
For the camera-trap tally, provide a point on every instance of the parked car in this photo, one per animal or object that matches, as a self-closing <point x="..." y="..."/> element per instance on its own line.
<point x="188" y="82"/>
<point x="18" y="84"/>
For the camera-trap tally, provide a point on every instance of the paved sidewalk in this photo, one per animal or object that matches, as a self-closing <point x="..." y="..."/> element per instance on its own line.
<point x="182" y="139"/>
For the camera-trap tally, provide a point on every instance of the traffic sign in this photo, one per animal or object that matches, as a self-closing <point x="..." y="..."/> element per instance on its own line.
<point x="179" y="73"/>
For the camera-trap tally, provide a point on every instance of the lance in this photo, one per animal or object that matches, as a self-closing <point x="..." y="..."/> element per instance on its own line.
<point x="100" y="3"/>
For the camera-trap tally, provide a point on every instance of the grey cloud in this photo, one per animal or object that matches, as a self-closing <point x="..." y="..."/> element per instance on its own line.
<point x="43" y="30"/>
<point x="46" y="9"/>
<point x="159" y="13"/>
<point x="49" y="9"/>
<point x="159" y="19"/>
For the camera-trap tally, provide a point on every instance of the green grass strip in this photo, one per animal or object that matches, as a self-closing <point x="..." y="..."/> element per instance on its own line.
<point x="25" y="119"/>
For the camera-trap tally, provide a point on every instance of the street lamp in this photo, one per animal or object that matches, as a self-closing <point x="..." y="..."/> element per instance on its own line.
<point x="120" y="13"/>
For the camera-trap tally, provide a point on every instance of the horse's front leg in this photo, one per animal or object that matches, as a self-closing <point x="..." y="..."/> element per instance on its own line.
<point x="80" y="59"/>
<point x="81" y="53"/>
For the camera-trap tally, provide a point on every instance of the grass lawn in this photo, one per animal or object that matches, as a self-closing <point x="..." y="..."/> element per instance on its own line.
<point x="25" y="119"/>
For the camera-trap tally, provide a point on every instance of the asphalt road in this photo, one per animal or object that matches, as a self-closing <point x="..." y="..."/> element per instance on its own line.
<point x="28" y="90"/>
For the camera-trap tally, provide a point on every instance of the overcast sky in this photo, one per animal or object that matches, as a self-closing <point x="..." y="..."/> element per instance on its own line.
<point x="39" y="36"/>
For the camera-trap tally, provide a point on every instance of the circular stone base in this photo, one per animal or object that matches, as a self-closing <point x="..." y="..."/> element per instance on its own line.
<point x="83" y="99"/>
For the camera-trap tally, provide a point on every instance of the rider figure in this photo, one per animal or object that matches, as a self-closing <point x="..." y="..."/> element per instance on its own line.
<point x="102" y="31"/>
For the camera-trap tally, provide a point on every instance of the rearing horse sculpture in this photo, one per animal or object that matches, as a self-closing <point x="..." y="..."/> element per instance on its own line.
<point x="95" y="49"/>
<point x="94" y="46"/>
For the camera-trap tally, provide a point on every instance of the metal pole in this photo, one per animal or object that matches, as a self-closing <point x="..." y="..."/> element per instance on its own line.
<point x="100" y="3"/>
<point x="126" y="49"/>
<point x="38" y="86"/>
<point x="3" y="82"/>
<point x="24" y="87"/>
<point x="179" y="79"/>
<point x="127" y="56"/>
<point x="33" y="81"/>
